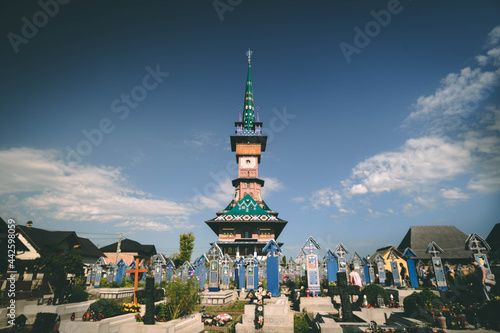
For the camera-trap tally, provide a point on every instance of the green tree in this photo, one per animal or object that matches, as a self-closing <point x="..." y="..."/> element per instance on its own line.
<point x="283" y="261"/>
<point x="186" y="247"/>
<point x="56" y="266"/>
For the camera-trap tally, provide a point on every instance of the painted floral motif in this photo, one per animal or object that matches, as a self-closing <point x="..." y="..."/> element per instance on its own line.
<point x="257" y="297"/>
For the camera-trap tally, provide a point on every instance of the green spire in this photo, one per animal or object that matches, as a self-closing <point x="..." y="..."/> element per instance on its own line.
<point x="248" y="109"/>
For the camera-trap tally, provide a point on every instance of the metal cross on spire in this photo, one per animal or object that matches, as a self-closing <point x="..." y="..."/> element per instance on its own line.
<point x="249" y="54"/>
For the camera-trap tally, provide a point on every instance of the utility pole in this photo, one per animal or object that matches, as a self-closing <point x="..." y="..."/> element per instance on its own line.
<point x="118" y="248"/>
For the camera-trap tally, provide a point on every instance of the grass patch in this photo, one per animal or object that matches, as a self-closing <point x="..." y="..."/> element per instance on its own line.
<point x="300" y="324"/>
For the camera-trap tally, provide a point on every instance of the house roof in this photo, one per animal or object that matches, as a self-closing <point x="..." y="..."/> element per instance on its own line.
<point x="246" y="206"/>
<point x="128" y="245"/>
<point x="89" y="249"/>
<point x="49" y="241"/>
<point x="493" y="238"/>
<point x="448" y="237"/>
<point x="3" y="226"/>
<point x="384" y="252"/>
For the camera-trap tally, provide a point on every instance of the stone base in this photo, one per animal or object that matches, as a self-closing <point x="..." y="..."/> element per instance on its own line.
<point x="380" y="316"/>
<point x="218" y="297"/>
<point x="317" y="304"/>
<point x="126" y="323"/>
<point x="31" y="308"/>
<point x="277" y="317"/>
<point x="325" y="324"/>
<point x="115" y="293"/>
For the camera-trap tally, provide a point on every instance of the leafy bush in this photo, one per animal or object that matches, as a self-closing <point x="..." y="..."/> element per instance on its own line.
<point x="44" y="322"/>
<point x="300" y="324"/>
<point x="104" y="283"/>
<point x="107" y="307"/>
<point x="126" y="283"/>
<point x="488" y="313"/>
<point x="238" y="305"/>
<point x="417" y="301"/>
<point x="372" y="291"/>
<point x="182" y="297"/>
<point x="77" y="294"/>
<point x="161" y="312"/>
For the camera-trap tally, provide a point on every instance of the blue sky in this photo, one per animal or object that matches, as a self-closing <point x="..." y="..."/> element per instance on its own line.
<point x="369" y="133"/>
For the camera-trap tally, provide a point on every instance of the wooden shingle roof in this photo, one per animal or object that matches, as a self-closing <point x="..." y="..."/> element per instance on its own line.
<point x="448" y="237"/>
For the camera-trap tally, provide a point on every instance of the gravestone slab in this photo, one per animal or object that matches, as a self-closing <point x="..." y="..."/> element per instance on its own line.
<point x="218" y="297"/>
<point x="317" y="304"/>
<point x="326" y="324"/>
<point x="277" y="317"/>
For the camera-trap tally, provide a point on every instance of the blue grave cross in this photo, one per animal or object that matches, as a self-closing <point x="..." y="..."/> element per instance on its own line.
<point x="331" y="265"/>
<point x="273" y="252"/>
<point x="158" y="263"/>
<point x="311" y="245"/>
<point x="434" y="249"/>
<point x="99" y="264"/>
<point x="340" y="251"/>
<point x="380" y="267"/>
<point x="226" y="261"/>
<point x="357" y="262"/>
<point x="214" y="254"/>
<point x="369" y="272"/>
<point x="476" y="244"/>
<point x="312" y="264"/>
<point x="412" y="270"/>
<point x="252" y="272"/>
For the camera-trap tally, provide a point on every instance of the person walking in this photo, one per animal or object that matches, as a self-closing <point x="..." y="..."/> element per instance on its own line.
<point x="354" y="279"/>
<point x="479" y="281"/>
<point x="402" y="274"/>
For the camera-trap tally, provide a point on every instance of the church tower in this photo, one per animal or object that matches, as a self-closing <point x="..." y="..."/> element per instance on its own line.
<point x="247" y="224"/>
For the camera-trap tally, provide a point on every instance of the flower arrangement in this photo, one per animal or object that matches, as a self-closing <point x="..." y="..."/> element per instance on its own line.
<point x="219" y="320"/>
<point x="257" y="297"/>
<point x="131" y="308"/>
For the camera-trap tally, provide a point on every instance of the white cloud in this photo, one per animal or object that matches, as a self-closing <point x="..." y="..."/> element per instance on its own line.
<point x="271" y="185"/>
<point x="493" y="37"/>
<point x="152" y="225"/>
<point x="45" y="186"/>
<point x="298" y="199"/>
<point x="217" y="196"/>
<point x="327" y="197"/>
<point x="458" y="95"/>
<point x="374" y="214"/>
<point x="358" y="189"/>
<point x="453" y="194"/>
<point x="419" y="163"/>
<point x="451" y="145"/>
<point x="486" y="183"/>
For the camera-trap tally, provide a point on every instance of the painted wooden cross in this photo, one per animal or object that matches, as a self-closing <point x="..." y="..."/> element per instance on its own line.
<point x="408" y="254"/>
<point x="476" y="244"/>
<point x="339" y="251"/>
<point x="136" y="270"/>
<point x="273" y="252"/>
<point x="434" y="250"/>
<point x="344" y="291"/>
<point x="331" y="265"/>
